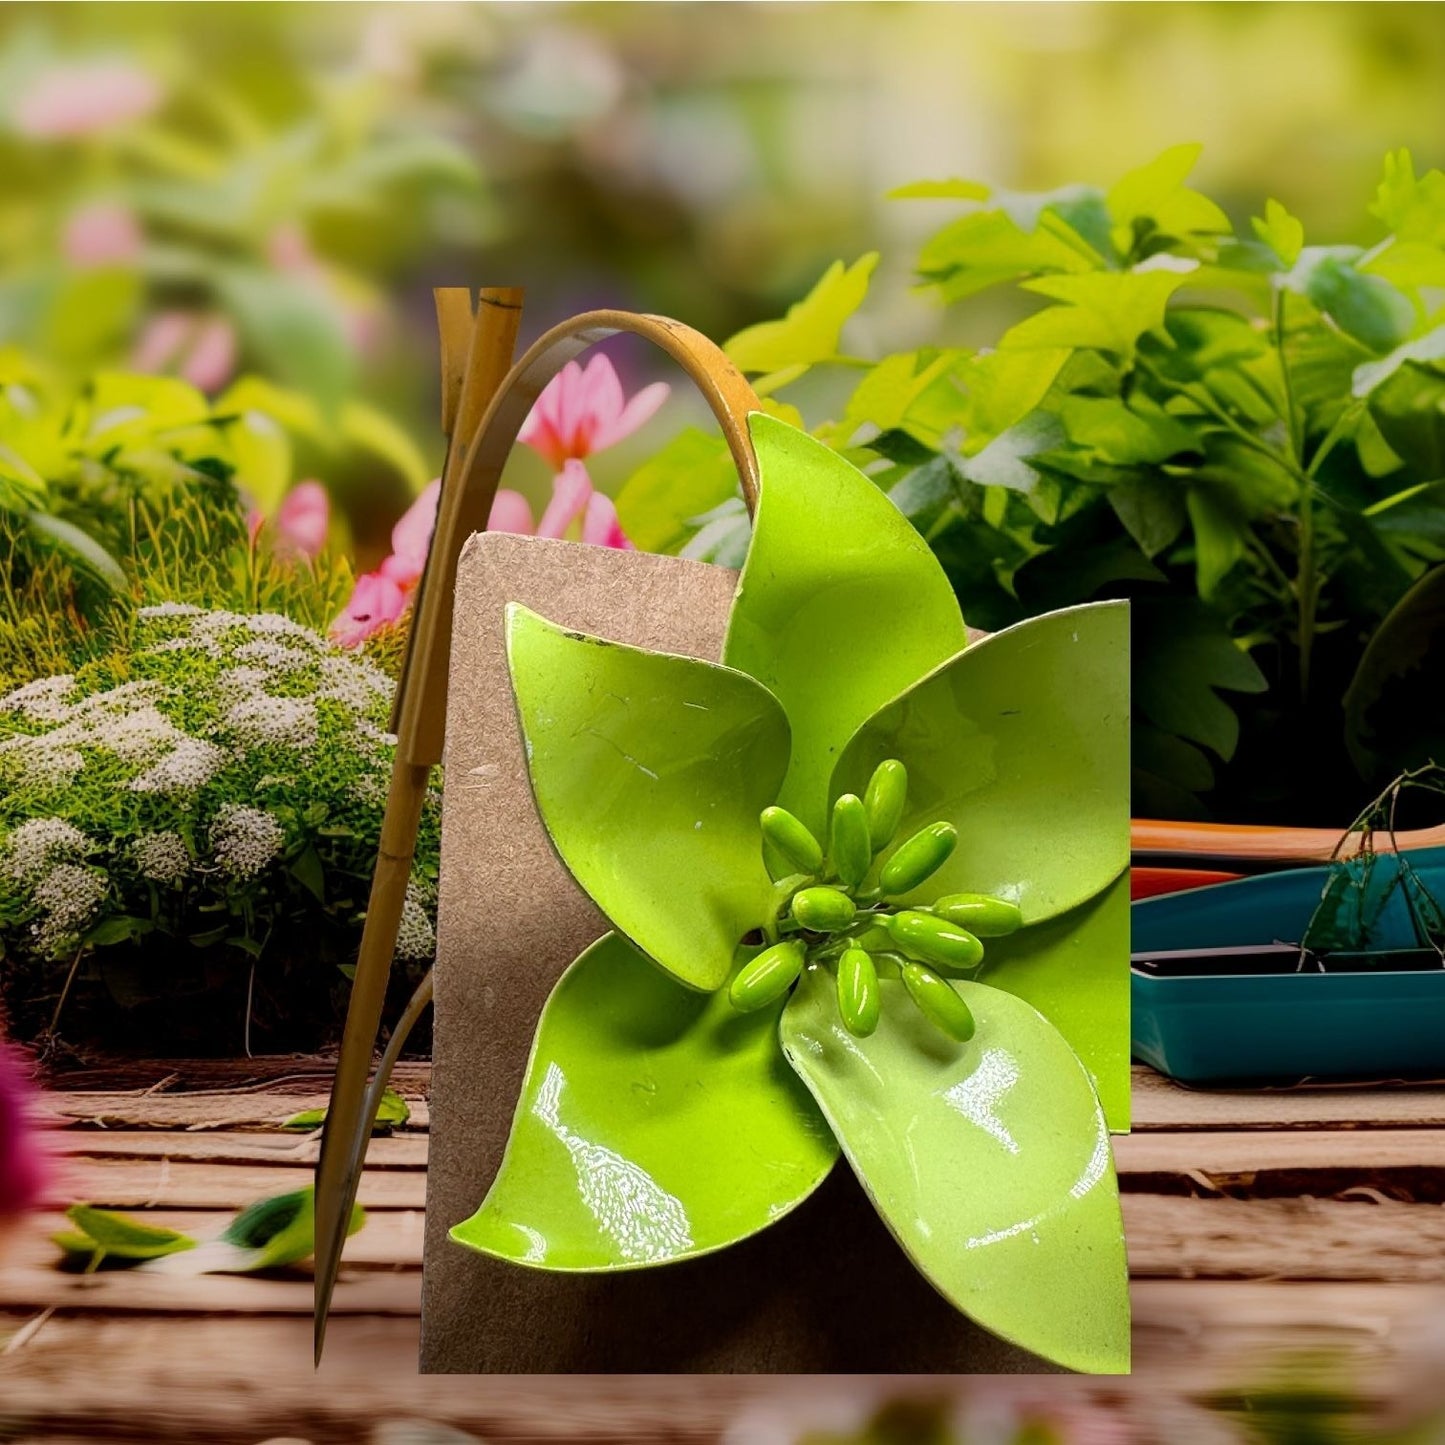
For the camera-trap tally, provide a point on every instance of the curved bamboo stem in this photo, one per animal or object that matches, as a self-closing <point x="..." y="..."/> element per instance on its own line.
<point x="485" y="411"/>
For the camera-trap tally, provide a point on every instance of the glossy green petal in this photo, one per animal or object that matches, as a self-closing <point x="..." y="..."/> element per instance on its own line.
<point x="655" y="1124"/>
<point x="649" y="772"/>
<point x="841" y="604"/>
<point x="1075" y="970"/>
<point x="989" y="1161"/>
<point x="1022" y="742"/>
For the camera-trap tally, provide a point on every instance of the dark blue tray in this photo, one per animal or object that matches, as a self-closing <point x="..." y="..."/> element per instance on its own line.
<point x="1282" y="1027"/>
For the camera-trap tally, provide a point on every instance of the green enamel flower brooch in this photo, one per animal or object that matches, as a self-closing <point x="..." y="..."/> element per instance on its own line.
<point x="867" y="885"/>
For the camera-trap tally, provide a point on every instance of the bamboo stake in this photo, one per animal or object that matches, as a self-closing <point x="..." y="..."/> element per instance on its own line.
<point x="489" y="412"/>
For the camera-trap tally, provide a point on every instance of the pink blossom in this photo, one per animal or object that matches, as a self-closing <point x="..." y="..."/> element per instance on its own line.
<point x="160" y="340"/>
<point x="375" y="603"/>
<point x="411" y="538"/>
<point x="22" y="1161"/>
<point x="303" y="518"/>
<point x="84" y="97"/>
<point x="382" y="596"/>
<point x="104" y="233"/>
<point x="212" y="359"/>
<point x="511" y="512"/>
<point x="201" y="348"/>
<point x="582" y="410"/>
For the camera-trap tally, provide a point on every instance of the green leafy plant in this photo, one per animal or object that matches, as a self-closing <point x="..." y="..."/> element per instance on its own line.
<point x="784" y="1005"/>
<point x="1243" y="434"/>
<point x="273" y="1233"/>
<point x="194" y="815"/>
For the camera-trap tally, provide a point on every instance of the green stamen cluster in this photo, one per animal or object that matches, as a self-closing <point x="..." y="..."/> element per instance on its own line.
<point x="833" y="912"/>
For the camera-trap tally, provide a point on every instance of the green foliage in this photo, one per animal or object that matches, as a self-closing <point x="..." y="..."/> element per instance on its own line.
<point x="213" y="792"/>
<point x="129" y="490"/>
<point x="1246" y="435"/>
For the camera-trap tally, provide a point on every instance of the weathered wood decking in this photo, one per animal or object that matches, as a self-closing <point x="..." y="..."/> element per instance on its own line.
<point x="1263" y="1227"/>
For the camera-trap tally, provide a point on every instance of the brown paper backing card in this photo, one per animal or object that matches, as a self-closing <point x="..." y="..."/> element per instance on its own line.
<point x="826" y="1289"/>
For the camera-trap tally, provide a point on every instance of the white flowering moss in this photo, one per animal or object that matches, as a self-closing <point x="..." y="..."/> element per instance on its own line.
<point x="36" y="845"/>
<point x="227" y="778"/>
<point x="245" y="840"/>
<point x="161" y="857"/>
<point x="67" y="900"/>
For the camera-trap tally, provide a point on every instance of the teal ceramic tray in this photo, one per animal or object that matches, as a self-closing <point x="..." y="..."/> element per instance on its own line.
<point x="1370" y="1018"/>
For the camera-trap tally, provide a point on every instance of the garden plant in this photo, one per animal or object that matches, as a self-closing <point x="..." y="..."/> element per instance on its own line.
<point x="1244" y="434"/>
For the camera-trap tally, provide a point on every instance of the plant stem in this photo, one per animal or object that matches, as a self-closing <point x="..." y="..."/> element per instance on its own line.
<point x="1307" y="586"/>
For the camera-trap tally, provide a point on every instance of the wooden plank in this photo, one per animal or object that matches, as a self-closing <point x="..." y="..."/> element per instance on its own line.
<point x="140" y="1183"/>
<point x="1170" y="1237"/>
<point x="1242" y="1155"/>
<point x="276" y="1073"/>
<point x="195" y="1111"/>
<point x="1305" y="1239"/>
<point x="390" y="1238"/>
<point x="1160" y="1103"/>
<point x="384" y="1152"/>
<point x="148" y="1291"/>
<point x="209" y="1380"/>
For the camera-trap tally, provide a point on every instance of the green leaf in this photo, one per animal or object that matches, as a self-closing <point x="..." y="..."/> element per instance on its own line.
<point x="989" y="1161"/>
<point x="80" y="548"/>
<point x="276" y="1232"/>
<point x="983" y="249"/>
<point x="1364" y="306"/>
<point x="308" y="871"/>
<point x="1006" y="460"/>
<point x="810" y="332"/>
<point x="690" y="475"/>
<point x="1124" y="434"/>
<point x="1109" y="310"/>
<point x="1074" y="969"/>
<point x="650" y="772"/>
<point x="1409" y="409"/>
<point x="119" y="1236"/>
<point x="1183" y="658"/>
<point x="949" y="190"/>
<point x="886" y="395"/>
<point x="841" y="605"/>
<point x="1003" y="387"/>
<point x="294" y="332"/>
<point x="1413" y="209"/>
<point x="118" y="930"/>
<point x="1393" y="719"/>
<point x="1281" y="232"/>
<point x="373" y="431"/>
<point x="1152" y="510"/>
<point x="391" y="1113"/>
<point x="1372" y="374"/>
<point x="1220" y="534"/>
<point x="1022" y="743"/>
<point x="654" y="1125"/>
<point x="1155" y="192"/>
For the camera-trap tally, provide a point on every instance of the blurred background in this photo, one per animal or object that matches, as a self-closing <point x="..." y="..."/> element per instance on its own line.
<point x="273" y="189"/>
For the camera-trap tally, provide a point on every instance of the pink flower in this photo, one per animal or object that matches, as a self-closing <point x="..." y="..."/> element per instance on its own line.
<point x="303" y="518"/>
<point x="382" y="596"/>
<point x="411" y="538"/>
<point x="301" y="521"/>
<point x="202" y="349"/>
<point x="583" y="410"/>
<point x="22" y="1161"/>
<point x="84" y="97"/>
<point x="376" y="602"/>
<point x="104" y="233"/>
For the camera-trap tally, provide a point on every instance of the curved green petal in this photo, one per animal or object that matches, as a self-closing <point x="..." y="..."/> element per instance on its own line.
<point x="841" y="604"/>
<point x="1075" y="970"/>
<point x="989" y="1161"/>
<point x="1022" y="742"/>
<point x="655" y="1124"/>
<point x="649" y="772"/>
